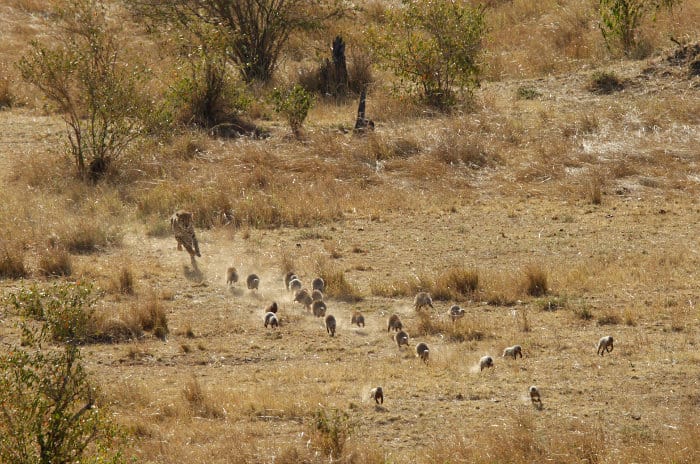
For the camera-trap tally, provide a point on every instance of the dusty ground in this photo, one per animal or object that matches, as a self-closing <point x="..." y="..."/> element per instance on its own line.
<point x="634" y="256"/>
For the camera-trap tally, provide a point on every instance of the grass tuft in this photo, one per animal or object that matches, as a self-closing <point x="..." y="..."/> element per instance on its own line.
<point x="12" y="263"/>
<point x="55" y="262"/>
<point x="535" y="281"/>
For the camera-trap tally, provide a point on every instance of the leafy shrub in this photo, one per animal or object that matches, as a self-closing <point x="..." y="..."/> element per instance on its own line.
<point x="47" y="412"/>
<point x="330" y="431"/>
<point x="527" y="93"/>
<point x="82" y="75"/>
<point x="294" y="104"/>
<point x="67" y="309"/>
<point x="208" y="95"/>
<point x="433" y="44"/>
<point x="604" y="82"/>
<point x="620" y="21"/>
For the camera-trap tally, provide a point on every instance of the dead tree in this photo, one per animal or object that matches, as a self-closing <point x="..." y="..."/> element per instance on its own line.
<point x="362" y="123"/>
<point x="334" y="76"/>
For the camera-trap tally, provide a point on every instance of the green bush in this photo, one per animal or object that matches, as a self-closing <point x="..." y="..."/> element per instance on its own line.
<point x="294" y="104"/>
<point x="620" y="21"/>
<point x="330" y="431"/>
<point x="435" y="45"/>
<point x="47" y="412"/>
<point x="82" y="74"/>
<point x="66" y="308"/>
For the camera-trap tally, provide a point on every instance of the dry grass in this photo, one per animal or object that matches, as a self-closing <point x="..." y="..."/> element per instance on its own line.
<point x="573" y="206"/>
<point x="12" y="262"/>
<point x="55" y="262"/>
<point x="150" y="316"/>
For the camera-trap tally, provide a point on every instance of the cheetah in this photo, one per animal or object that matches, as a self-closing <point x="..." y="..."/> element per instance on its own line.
<point x="183" y="227"/>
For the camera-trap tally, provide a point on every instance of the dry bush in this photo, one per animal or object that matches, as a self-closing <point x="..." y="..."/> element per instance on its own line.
<point x="106" y="329"/>
<point x="7" y="99"/>
<point x="456" y="283"/>
<point x="12" y="262"/>
<point x="594" y="188"/>
<point x="535" y="281"/>
<point x="336" y="285"/>
<point x="401" y="287"/>
<point x="55" y="262"/>
<point x="201" y="403"/>
<point x="464" y="329"/>
<point x="150" y="316"/>
<point x="125" y="281"/>
<point x="83" y="236"/>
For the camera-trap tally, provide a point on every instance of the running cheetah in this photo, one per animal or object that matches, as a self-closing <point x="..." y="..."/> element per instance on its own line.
<point x="183" y="227"/>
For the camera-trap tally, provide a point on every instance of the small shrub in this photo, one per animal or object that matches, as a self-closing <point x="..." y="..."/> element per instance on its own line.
<point x="294" y="104"/>
<point x="330" y="431"/>
<point x="608" y="319"/>
<point x="605" y="82"/>
<point x="126" y="281"/>
<point x="595" y="189"/>
<point x="583" y="313"/>
<point x="433" y="44"/>
<point x="455" y="283"/>
<point x="535" y="281"/>
<point x="336" y="285"/>
<point x="12" y="263"/>
<point x="152" y="318"/>
<point x="200" y="403"/>
<point x="67" y="309"/>
<point x="89" y="236"/>
<point x="463" y="330"/>
<point x="7" y="99"/>
<point x="524" y="321"/>
<point x="552" y="304"/>
<point x="55" y="262"/>
<point x="527" y="93"/>
<point x="47" y="413"/>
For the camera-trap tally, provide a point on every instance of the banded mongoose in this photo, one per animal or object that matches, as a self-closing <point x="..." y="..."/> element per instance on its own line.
<point x="288" y="277"/>
<point x="486" y="361"/>
<point x="295" y="285"/>
<point x="330" y="325"/>
<point x="377" y="395"/>
<point x="318" y="308"/>
<point x="318" y="284"/>
<point x="253" y="281"/>
<point x="423" y="352"/>
<point x="231" y="276"/>
<point x="303" y="297"/>
<point x="513" y="351"/>
<point x="535" y="396"/>
<point x="422" y="300"/>
<point x="271" y="320"/>
<point x="358" y="318"/>
<point x="272" y="308"/>
<point x="605" y="344"/>
<point x="401" y="338"/>
<point x="317" y="295"/>
<point x="394" y="323"/>
<point x="456" y="313"/>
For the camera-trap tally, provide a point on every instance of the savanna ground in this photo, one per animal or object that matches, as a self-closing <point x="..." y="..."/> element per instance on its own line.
<point x="595" y="193"/>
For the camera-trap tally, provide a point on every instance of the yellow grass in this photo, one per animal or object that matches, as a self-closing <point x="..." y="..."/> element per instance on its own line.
<point x="553" y="216"/>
